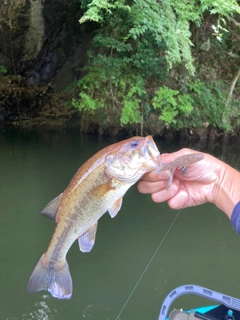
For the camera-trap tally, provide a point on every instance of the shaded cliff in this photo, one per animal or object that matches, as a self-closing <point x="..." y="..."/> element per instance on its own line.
<point x="41" y="38"/>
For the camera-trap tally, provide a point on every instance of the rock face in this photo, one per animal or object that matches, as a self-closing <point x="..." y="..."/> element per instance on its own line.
<point x="39" y="38"/>
<point x="34" y="38"/>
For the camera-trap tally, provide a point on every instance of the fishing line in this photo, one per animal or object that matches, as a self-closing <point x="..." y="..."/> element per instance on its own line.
<point x="144" y="271"/>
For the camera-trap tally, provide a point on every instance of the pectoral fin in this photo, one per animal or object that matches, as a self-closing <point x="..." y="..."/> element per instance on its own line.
<point x="115" y="208"/>
<point x="101" y="190"/>
<point x="51" y="208"/>
<point x="87" y="240"/>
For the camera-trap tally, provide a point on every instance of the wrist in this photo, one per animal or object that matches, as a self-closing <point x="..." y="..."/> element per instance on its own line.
<point x="226" y="191"/>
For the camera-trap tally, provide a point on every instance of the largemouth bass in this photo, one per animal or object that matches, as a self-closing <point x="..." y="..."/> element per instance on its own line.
<point x="97" y="187"/>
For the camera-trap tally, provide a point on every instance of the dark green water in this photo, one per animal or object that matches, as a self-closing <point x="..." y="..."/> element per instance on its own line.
<point x="201" y="248"/>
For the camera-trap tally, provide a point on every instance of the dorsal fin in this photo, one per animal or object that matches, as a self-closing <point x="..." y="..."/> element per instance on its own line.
<point x="51" y="208"/>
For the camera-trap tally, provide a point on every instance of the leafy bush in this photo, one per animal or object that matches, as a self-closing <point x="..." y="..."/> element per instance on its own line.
<point x="3" y="69"/>
<point x="202" y="104"/>
<point x="167" y="21"/>
<point x="210" y="103"/>
<point x="172" y="104"/>
<point x="133" y="49"/>
<point x="120" y="70"/>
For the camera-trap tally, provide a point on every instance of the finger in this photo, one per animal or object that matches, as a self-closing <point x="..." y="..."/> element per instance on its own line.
<point x="165" y="194"/>
<point x="179" y="200"/>
<point x="154" y="177"/>
<point x="146" y="187"/>
<point x="150" y="176"/>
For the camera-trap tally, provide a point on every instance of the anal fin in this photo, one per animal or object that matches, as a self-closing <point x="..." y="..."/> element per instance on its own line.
<point x="87" y="240"/>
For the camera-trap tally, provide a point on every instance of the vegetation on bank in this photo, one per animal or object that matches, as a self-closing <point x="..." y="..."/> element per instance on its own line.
<point x="152" y="65"/>
<point x="147" y="59"/>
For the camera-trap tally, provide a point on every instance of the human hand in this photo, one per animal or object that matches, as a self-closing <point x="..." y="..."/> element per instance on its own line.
<point x="199" y="184"/>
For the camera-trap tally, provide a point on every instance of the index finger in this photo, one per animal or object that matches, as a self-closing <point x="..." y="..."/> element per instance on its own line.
<point x="154" y="177"/>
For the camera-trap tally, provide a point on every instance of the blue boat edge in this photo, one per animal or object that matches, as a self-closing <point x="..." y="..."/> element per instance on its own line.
<point x="229" y="308"/>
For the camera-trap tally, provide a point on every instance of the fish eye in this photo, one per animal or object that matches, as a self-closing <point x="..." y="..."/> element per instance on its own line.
<point x="133" y="143"/>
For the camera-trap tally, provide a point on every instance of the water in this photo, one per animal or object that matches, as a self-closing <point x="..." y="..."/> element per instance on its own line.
<point x="201" y="248"/>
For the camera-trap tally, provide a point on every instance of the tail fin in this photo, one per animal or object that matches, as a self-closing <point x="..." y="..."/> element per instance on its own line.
<point x="54" y="277"/>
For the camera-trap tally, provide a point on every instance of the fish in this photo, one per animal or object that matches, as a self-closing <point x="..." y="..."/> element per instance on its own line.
<point x="180" y="162"/>
<point x="97" y="187"/>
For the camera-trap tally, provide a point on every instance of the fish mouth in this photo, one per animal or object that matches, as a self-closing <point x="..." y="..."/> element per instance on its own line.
<point x="150" y="148"/>
<point x="133" y="160"/>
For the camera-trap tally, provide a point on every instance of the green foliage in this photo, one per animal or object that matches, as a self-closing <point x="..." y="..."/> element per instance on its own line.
<point x="106" y="90"/>
<point x="171" y="104"/>
<point x="149" y="17"/>
<point x="120" y="68"/>
<point x="167" y="21"/>
<point x="97" y="9"/>
<point x="3" y="69"/>
<point x="221" y="7"/>
<point x="202" y="104"/>
<point x="210" y="104"/>
<point x="136" y="44"/>
<point x="131" y="101"/>
<point x="87" y="103"/>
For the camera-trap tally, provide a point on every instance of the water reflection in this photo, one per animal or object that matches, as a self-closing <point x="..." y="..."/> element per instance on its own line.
<point x="39" y="311"/>
<point x="87" y="311"/>
<point x="43" y="311"/>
